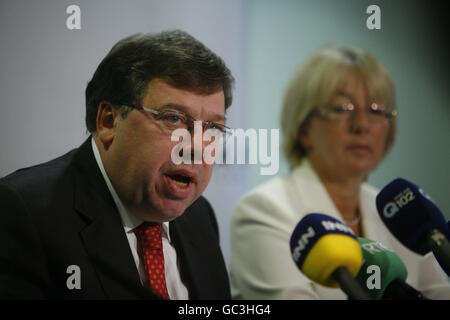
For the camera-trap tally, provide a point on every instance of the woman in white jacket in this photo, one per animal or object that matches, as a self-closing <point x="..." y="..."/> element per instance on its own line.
<point x="338" y="122"/>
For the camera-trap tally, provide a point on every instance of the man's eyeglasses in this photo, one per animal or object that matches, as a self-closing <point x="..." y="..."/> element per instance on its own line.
<point x="173" y="119"/>
<point x="375" y="113"/>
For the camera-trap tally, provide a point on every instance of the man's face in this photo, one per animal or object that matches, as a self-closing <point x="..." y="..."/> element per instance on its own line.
<point x="138" y="160"/>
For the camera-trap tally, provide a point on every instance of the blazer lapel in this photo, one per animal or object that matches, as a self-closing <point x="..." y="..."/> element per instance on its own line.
<point x="372" y="225"/>
<point x="312" y="193"/>
<point x="104" y="237"/>
<point x="316" y="199"/>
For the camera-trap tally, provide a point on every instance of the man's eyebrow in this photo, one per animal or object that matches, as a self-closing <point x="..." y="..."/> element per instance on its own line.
<point x="184" y="109"/>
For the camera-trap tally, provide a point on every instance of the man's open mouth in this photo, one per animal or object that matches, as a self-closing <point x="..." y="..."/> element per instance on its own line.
<point x="180" y="179"/>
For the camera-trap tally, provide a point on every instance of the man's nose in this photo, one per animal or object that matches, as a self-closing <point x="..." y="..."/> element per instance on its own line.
<point x="197" y="145"/>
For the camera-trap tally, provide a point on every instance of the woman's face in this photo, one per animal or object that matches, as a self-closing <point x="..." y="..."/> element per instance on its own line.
<point x="346" y="148"/>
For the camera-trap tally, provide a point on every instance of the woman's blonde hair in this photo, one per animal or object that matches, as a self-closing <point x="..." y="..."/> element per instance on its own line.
<point x="314" y="84"/>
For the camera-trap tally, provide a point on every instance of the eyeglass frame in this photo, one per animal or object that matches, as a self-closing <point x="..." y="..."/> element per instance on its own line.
<point x="226" y="131"/>
<point x="388" y="115"/>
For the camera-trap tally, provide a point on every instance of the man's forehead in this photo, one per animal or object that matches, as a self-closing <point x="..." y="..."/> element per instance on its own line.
<point x="161" y="94"/>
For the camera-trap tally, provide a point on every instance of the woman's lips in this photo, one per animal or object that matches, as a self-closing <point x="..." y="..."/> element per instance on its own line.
<point x="360" y="147"/>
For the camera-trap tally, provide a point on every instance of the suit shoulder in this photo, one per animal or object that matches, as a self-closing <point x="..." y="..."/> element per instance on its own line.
<point x="36" y="183"/>
<point x="40" y="174"/>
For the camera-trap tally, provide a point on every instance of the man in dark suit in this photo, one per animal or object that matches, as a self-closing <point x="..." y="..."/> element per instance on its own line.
<point x="117" y="218"/>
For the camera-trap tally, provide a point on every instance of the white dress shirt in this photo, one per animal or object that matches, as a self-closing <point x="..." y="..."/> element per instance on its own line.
<point x="262" y="223"/>
<point x="175" y="287"/>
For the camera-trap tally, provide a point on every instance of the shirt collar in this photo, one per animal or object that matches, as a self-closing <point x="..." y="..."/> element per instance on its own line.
<point x="129" y="220"/>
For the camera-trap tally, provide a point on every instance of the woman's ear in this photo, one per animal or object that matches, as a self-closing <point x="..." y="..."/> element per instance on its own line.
<point x="303" y="136"/>
<point x="107" y="119"/>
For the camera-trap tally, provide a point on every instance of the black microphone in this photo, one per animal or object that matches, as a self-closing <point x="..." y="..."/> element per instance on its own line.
<point x="415" y="220"/>
<point x="400" y="290"/>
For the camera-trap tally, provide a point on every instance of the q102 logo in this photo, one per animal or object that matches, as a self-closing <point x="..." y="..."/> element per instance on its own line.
<point x="400" y="200"/>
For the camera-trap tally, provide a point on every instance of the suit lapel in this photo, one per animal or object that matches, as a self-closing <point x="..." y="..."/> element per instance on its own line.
<point x="104" y="237"/>
<point x="187" y="253"/>
<point x="193" y="254"/>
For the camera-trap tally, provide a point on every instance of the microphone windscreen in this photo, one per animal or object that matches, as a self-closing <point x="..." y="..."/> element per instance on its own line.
<point x="409" y="214"/>
<point x="381" y="266"/>
<point x="320" y="244"/>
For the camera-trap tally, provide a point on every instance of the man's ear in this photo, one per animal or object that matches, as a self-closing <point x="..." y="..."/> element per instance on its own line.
<point x="107" y="120"/>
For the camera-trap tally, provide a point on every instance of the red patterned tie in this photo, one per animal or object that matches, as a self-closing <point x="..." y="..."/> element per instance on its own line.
<point x="152" y="253"/>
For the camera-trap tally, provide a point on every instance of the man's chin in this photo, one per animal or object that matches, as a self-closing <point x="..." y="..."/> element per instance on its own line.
<point x="172" y="209"/>
<point x="164" y="211"/>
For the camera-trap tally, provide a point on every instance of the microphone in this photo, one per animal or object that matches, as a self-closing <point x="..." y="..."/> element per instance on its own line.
<point x="413" y="218"/>
<point x="327" y="252"/>
<point x="383" y="274"/>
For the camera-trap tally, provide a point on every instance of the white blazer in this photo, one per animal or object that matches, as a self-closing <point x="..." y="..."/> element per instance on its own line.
<point x="261" y="265"/>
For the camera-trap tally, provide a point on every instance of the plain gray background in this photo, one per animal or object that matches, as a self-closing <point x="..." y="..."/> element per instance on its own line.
<point x="45" y="68"/>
